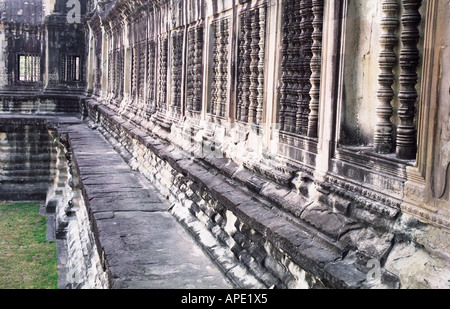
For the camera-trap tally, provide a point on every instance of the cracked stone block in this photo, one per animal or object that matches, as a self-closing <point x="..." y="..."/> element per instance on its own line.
<point x="416" y="268"/>
<point x="344" y="274"/>
<point x="372" y="243"/>
<point x="331" y="223"/>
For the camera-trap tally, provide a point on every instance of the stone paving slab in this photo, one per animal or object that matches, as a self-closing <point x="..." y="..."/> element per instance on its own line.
<point x="144" y="245"/>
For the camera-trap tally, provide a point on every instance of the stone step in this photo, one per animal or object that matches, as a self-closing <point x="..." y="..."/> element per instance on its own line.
<point x="25" y="157"/>
<point x="14" y="166"/>
<point x="23" y="146"/>
<point x="26" y="179"/>
<point x="32" y="192"/>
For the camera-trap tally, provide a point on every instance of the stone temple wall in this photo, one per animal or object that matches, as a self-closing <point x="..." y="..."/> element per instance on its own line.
<point x="315" y="107"/>
<point x="42" y="57"/>
<point x="308" y="138"/>
<point x="26" y="157"/>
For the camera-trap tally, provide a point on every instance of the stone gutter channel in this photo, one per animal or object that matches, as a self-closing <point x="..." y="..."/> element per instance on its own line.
<point x="130" y="211"/>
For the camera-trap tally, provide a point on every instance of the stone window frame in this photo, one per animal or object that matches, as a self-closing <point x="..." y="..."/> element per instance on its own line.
<point x="33" y="61"/>
<point x="71" y="74"/>
<point x="261" y="93"/>
<point x="347" y="150"/>
<point x="195" y="42"/>
<point x="210" y="29"/>
<point x="415" y="174"/>
<point x="331" y="107"/>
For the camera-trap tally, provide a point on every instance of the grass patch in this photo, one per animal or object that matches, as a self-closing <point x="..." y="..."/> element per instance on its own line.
<point x="27" y="259"/>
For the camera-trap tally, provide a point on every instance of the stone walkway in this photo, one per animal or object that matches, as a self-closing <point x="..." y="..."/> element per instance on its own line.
<point x="144" y="245"/>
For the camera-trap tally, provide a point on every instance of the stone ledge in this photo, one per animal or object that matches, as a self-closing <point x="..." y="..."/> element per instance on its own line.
<point x="140" y="243"/>
<point x="309" y="248"/>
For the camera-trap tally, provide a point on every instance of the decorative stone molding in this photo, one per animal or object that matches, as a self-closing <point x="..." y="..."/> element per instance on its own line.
<point x="369" y="199"/>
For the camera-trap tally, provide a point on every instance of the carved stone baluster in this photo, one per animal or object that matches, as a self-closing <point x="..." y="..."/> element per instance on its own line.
<point x="224" y="66"/>
<point x="133" y="74"/>
<point x="219" y="67"/>
<point x="173" y="91"/>
<point x="151" y="78"/>
<point x="241" y="68"/>
<point x="261" y="56"/>
<point x="177" y="39"/>
<point x="291" y="66"/>
<point x="191" y="70"/>
<point x="299" y="65"/>
<point x="119" y="79"/>
<point x="307" y="56"/>
<point x="162" y="73"/>
<point x="118" y="74"/>
<point x="302" y="20"/>
<point x="198" y="80"/>
<point x="121" y="72"/>
<point x="254" y="67"/>
<point x="110" y="71"/>
<point x="215" y="73"/>
<point x="316" y="64"/>
<point x="179" y="56"/>
<point x="409" y="61"/>
<point x="116" y="70"/>
<point x="194" y="68"/>
<point x="383" y="137"/>
<point x="247" y="60"/>
<point x="284" y="67"/>
<point x="142" y="61"/>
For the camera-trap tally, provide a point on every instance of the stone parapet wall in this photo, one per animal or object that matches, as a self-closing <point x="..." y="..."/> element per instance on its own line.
<point x="299" y="121"/>
<point x="83" y="266"/>
<point x="26" y="156"/>
<point x="39" y="104"/>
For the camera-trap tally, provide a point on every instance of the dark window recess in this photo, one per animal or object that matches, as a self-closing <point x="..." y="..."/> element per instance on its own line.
<point x="29" y="68"/>
<point x="70" y="68"/>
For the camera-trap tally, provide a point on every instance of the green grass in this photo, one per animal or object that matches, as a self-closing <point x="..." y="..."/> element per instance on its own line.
<point x="27" y="259"/>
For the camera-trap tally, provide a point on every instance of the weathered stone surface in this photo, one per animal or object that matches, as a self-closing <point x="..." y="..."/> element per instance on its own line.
<point x="143" y="245"/>
<point x="342" y="177"/>
<point x="370" y="242"/>
<point x="331" y="223"/>
<point x="423" y="270"/>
